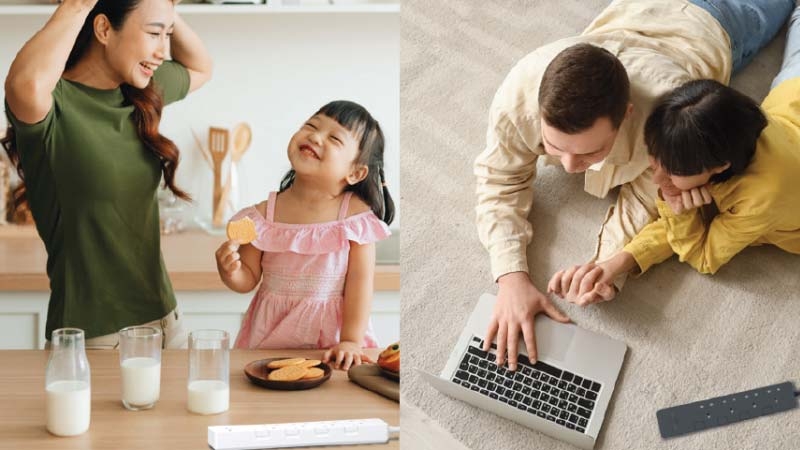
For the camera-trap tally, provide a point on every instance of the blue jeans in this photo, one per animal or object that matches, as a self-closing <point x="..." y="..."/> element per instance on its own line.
<point x="791" y="55"/>
<point x="750" y="24"/>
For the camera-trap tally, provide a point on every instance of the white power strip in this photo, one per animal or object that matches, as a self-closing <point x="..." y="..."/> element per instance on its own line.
<point x="301" y="434"/>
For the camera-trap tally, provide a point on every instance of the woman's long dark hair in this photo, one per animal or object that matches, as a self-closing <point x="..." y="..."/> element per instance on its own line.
<point x="372" y="189"/>
<point x="701" y="125"/>
<point x="147" y="102"/>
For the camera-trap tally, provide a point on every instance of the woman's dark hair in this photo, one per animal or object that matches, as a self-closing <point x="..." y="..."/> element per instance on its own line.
<point x="582" y="84"/>
<point x="702" y="125"/>
<point x="372" y="189"/>
<point x="147" y="102"/>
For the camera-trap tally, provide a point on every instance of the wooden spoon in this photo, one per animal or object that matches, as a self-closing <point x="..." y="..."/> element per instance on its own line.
<point x="242" y="135"/>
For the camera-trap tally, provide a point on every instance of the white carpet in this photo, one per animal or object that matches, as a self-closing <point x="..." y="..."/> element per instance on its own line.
<point x="689" y="336"/>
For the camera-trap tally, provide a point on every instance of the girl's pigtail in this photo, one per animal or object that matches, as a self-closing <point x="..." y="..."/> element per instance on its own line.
<point x="388" y="203"/>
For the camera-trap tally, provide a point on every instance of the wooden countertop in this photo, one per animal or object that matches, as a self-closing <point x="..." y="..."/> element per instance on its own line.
<point x="189" y="257"/>
<point x="169" y="425"/>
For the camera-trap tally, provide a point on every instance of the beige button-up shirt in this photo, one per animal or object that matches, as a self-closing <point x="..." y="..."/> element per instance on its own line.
<point x="661" y="43"/>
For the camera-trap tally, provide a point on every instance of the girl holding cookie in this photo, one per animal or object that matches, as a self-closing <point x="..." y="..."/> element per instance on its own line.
<point x="314" y="241"/>
<point x="84" y="98"/>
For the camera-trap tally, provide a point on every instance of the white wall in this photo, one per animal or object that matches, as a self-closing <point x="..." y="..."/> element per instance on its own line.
<point x="272" y="71"/>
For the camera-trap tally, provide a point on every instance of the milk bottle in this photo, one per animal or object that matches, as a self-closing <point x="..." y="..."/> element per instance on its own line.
<point x="68" y="384"/>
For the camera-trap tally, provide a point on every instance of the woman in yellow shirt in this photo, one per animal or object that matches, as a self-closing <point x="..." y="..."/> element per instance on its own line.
<point x="709" y="143"/>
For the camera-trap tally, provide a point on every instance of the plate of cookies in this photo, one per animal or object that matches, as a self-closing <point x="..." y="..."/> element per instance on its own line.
<point x="288" y="374"/>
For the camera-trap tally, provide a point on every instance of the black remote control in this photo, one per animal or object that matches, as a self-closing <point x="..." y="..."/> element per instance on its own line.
<point x="718" y="411"/>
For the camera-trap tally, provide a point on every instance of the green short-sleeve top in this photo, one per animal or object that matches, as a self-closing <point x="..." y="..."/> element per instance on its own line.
<point x="91" y="185"/>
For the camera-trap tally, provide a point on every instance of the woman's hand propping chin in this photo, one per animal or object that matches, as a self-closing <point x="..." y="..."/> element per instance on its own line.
<point x="682" y="201"/>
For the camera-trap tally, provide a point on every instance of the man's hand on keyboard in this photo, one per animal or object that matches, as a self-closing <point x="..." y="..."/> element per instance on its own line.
<point x="518" y="303"/>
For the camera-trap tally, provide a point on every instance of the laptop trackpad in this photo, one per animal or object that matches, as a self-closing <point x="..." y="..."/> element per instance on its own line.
<point x="553" y="338"/>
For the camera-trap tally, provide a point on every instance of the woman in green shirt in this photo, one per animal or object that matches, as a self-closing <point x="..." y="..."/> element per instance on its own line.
<point x="84" y="98"/>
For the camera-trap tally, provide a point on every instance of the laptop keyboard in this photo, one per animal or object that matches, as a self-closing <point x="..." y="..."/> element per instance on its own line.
<point x="540" y="389"/>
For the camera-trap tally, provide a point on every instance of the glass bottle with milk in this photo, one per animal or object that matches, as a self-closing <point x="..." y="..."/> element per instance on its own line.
<point x="209" y="367"/>
<point x="67" y="383"/>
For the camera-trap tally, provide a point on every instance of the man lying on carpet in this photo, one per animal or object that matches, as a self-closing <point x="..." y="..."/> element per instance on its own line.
<point x="709" y="143"/>
<point x="582" y="102"/>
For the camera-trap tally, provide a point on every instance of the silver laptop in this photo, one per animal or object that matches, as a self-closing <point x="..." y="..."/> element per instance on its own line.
<point x="565" y="394"/>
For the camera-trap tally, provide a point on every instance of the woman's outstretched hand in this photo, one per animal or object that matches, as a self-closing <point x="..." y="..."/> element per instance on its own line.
<point x="583" y="285"/>
<point x="592" y="282"/>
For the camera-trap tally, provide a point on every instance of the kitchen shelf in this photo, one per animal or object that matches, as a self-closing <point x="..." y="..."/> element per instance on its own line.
<point x="26" y="10"/>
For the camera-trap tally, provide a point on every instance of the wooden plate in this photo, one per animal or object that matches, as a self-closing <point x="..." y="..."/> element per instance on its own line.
<point x="390" y="374"/>
<point x="257" y="372"/>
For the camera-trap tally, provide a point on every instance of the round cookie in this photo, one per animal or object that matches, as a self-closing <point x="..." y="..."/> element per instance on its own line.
<point x="285" y="362"/>
<point x="313" y="372"/>
<point x="310" y="363"/>
<point x="288" y="373"/>
<point x="242" y="230"/>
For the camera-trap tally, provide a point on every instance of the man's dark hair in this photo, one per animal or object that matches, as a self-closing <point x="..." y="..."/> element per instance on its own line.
<point x="582" y="84"/>
<point x="702" y="125"/>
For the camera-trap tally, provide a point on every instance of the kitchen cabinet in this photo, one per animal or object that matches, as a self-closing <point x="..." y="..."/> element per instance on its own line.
<point x="189" y="257"/>
<point x="23" y="315"/>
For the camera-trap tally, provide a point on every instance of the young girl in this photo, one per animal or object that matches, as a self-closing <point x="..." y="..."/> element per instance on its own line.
<point x="315" y="244"/>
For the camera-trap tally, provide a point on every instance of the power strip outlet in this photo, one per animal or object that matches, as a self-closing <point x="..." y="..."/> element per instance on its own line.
<point x="301" y="434"/>
<point x="719" y="411"/>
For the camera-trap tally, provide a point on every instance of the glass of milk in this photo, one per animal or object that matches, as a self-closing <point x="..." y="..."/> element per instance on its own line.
<point x="68" y="384"/>
<point x="140" y="366"/>
<point x="209" y="366"/>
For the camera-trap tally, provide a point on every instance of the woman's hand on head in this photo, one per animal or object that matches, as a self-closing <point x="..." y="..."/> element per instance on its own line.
<point x="82" y="3"/>
<point x="345" y="354"/>
<point x="228" y="257"/>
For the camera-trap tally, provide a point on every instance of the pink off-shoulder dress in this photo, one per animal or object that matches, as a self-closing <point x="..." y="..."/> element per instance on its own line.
<point x="300" y="301"/>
